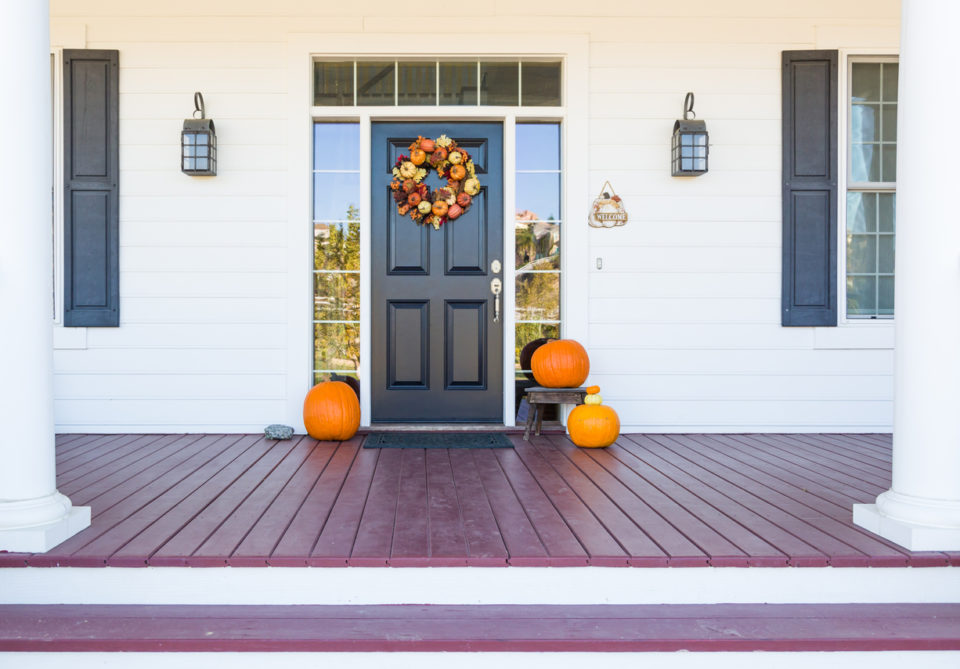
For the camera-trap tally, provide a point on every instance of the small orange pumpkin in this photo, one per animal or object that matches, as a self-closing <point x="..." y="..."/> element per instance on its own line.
<point x="454" y="211"/>
<point x="418" y="156"/>
<point x="331" y="411"/>
<point x="457" y="172"/>
<point x="440" y="208"/>
<point x="413" y="199"/>
<point x="593" y="426"/>
<point x="560" y="364"/>
<point x="427" y="145"/>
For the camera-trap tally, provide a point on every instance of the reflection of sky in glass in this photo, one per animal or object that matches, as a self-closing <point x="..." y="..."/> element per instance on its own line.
<point x="538" y="146"/>
<point x="336" y="146"/>
<point x="538" y="170"/>
<point x="333" y="193"/>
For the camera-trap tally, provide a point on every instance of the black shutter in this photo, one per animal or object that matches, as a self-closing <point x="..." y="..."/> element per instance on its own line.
<point x="809" y="188"/>
<point x="91" y="214"/>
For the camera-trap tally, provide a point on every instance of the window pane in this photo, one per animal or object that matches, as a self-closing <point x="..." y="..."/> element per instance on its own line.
<point x="888" y="212"/>
<point x="499" y="84"/>
<point x="538" y="296"/>
<point x="335" y="195"/>
<point x="333" y="83"/>
<point x="865" y="123"/>
<point x="889" y="172"/>
<point x="861" y="295"/>
<point x="890" y="87"/>
<point x="417" y="83"/>
<point x="537" y="245"/>
<point x="336" y="146"/>
<point x="538" y="146"/>
<point x="458" y="83"/>
<point x="866" y="82"/>
<point x="886" y="254"/>
<point x="337" y="245"/>
<point x="538" y="196"/>
<point x="861" y="254"/>
<point x="375" y="83"/>
<point x="864" y="162"/>
<point x="861" y="212"/>
<point x="889" y="129"/>
<point x="336" y="346"/>
<point x="527" y="332"/>
<point x="336" y="296"/>
<point x="885" y="308"/>
<point x="541" y="85"/>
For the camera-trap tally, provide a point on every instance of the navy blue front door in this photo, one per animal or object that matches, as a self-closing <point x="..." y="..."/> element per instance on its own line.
<point x="437" y="346"/>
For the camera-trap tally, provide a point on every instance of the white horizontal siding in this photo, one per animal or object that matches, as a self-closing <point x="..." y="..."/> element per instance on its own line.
<point x="683" y="316"/>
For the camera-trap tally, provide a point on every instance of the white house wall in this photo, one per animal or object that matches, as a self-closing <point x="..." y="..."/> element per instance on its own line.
<point x="684" y="316"/>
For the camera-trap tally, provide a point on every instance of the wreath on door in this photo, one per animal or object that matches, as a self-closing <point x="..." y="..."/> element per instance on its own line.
<point x="451" y="162"/>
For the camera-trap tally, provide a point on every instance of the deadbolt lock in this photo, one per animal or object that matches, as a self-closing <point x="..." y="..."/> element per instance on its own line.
<point x="495" y="266"/>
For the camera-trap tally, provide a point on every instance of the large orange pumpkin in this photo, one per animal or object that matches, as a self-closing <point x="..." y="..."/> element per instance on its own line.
<point x="593" y="425"/>
<point x="331" y="411"/>
<point x="560" y="364"/>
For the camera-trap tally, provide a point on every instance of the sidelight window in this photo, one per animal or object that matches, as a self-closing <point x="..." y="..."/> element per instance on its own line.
<point x="336" y="250"/>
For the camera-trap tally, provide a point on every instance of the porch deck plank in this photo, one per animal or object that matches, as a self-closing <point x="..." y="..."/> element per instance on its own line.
<point x="340" y="531"/>
<point x="375" y="534"/>
<point x="648" y="500"/>
<point x="310" y="517"/>
<point x="628" y="532"/>
<point x="263" y="537"/>
<point x="794" y="502"/>
<point x="485" y="543"/>
<point x="411" y="532"/>
<point x="135" y="504"/>
<point x="228" y="536"/>
<point x="190" y="500"/>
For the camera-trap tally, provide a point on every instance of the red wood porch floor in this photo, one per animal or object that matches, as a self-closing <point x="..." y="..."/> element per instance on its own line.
<point x="691" y="500"/>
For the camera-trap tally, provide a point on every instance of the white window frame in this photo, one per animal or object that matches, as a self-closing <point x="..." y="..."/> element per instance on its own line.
<point x="303" y="50"/>
<point x="847" y="59"/>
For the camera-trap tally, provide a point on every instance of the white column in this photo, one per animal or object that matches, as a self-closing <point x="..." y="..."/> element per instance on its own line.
<point x="34" y="517"/>
<point x="922" y="509"/>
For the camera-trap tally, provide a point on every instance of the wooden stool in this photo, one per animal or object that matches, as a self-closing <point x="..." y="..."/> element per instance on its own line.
<point x="538" y="396"/>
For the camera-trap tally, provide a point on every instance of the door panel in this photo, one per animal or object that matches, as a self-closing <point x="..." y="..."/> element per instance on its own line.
<point x="437" y="352"/>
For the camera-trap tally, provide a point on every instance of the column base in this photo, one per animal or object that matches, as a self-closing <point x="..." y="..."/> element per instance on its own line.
<point x="912" y="536"/>
<point x="37" y="525"/>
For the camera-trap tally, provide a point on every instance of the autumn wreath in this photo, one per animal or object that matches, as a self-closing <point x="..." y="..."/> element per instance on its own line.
<point x="442" y="204"/>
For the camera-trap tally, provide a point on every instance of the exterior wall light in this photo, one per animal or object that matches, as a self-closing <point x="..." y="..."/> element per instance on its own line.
<point x="198" y="143"/>
<point x="691" y="144"/>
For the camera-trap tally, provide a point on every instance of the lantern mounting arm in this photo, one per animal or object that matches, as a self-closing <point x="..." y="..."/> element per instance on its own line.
<point x="688" y="112"/>
<point x="198" y="105"/>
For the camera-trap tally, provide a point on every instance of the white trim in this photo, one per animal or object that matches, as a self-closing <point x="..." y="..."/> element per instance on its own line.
<point x="478" y="585"/>
<point x="572" y="49"/>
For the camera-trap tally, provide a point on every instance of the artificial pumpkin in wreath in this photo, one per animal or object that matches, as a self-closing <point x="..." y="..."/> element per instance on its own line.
<point x="593" y="424"/>
<point x="452" y="163"/>
<point x="562" y="363"/>
<point x="331" y="411"/>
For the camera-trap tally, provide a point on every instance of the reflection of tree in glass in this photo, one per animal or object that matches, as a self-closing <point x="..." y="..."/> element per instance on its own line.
<point x="537" y="242"/>
<point x="538" y="296"/>
<point x="337" y="248"/>
<point x="527" y="332"/>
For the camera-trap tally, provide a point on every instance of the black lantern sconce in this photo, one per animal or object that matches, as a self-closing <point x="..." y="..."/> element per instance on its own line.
<point x="198" y="143"/>
<point x="691" y="144"/>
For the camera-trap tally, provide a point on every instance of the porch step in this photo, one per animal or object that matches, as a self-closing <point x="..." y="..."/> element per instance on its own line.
<point x="425" y="628"/>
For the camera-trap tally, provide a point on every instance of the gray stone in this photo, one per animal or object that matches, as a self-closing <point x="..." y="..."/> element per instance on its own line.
<point x="277" y="431"/>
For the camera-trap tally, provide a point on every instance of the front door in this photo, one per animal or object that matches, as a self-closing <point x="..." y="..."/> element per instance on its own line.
<point x="437" y="341"/>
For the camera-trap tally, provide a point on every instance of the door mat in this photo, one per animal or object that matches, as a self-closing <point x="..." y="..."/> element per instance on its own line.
<point x="436" y="440"/>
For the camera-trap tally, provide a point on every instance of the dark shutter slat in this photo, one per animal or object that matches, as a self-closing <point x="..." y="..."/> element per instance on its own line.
<point x="91" y="210"/>
<point x="810" y="167"/>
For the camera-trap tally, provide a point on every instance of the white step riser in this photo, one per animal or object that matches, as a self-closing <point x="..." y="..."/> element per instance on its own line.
<point x="476" y="585"/>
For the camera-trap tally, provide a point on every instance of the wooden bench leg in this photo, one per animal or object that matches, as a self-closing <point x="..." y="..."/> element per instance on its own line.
<point x="531" y="411"/>
<point x="539" y="418"/>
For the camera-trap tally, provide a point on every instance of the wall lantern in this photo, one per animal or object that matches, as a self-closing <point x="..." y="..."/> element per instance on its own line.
<point x="690" y="143"/>
<point x="198" y="143"/>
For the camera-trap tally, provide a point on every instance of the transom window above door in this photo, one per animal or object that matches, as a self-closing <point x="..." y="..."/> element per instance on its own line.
<point x="393" y="83"/>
